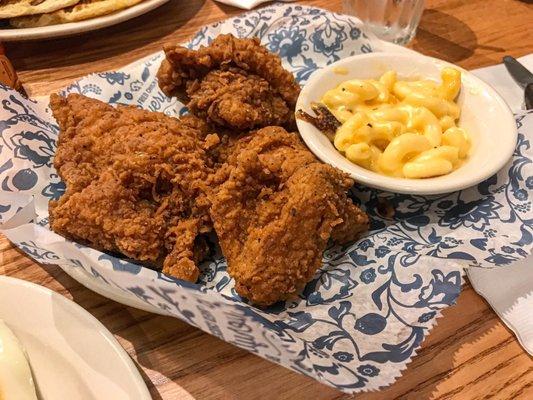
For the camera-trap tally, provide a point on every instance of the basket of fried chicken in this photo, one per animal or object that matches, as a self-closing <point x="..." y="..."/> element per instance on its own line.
<point x="152" y="187"/>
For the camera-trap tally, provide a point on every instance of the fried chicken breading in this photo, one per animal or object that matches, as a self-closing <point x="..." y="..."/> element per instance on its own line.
<point x="233" y="83"/>
<point x="149" y="186"/>
<point x="135" y="182"/>
<point x="274" y="211"/>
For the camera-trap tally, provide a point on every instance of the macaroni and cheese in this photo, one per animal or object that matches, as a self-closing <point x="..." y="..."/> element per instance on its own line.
<point x="400" y="128"/>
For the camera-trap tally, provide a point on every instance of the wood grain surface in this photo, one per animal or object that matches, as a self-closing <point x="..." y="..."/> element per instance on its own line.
<point x="469" y="355"/>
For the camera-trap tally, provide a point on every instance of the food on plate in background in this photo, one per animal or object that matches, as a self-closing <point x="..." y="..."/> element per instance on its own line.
<point x="8" y="76"/>
<point x="399" y="128"/>
<point x="81" y="10"/>
<point x="233" y="83"/>
<point x="17" y="8"/>
<point x="16" y="381"/>
<point x="150" y="186"/>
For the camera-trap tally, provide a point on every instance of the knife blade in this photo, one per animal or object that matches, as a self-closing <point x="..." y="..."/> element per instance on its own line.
<point x="528" y="96"/>
<point x="520" y="74"/>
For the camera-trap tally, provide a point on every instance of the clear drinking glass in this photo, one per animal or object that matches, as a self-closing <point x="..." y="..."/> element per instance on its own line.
<point x="391" y="20"/>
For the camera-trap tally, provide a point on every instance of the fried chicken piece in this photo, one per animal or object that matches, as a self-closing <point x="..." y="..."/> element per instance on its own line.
<point x="323" y="120"/>
<point x="274" y="211"/>
<point x="235" y="99"/>
<point x="233" y="83"/>
<point x="135" y="182"/>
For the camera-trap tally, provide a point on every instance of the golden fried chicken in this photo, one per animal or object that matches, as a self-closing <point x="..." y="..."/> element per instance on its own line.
<point x="148" y="186"/>
<point x="233" y="83"/>
<point x="274" y="210"/>
<point x="135" y="182"/>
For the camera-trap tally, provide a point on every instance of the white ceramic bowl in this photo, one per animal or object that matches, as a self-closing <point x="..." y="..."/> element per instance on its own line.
<point x="484" y="114"/>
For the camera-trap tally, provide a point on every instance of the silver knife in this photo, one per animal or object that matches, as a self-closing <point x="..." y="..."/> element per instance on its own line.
<point x="523" y="77"/>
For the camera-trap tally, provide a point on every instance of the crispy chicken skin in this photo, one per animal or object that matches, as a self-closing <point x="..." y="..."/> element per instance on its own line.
<point x="149" y="186"/>
<point x="233" y="83"/>
<point x="134" y="182"/>
<point x="274" y="210"/>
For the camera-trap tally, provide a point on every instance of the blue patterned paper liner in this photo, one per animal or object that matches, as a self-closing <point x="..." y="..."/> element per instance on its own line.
<point x="363" y="316"/>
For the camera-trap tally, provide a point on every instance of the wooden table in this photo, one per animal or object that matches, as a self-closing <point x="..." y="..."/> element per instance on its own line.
<point x="469" y="355"/>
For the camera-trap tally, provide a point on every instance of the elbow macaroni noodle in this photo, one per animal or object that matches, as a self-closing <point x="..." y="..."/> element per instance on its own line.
<point x="400" y="128"/>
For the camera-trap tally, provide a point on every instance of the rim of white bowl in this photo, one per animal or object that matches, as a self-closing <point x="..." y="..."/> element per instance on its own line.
<point x="428" y="186"/>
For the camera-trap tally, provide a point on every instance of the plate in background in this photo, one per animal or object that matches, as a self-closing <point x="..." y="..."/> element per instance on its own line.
<point x="73" y="28"/>
<point x="72" y="355"/>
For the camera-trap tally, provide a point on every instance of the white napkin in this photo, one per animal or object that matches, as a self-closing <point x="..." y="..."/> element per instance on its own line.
<point x="498" y="77"/>
<point x="247" y="4"/>
<point x="509" y="290"/>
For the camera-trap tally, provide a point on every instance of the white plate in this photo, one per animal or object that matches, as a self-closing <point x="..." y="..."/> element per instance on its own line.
<point x="103" y="289"/>
<point x="72" y="355"/>
<point x="73" y="28"/>
<point x="485" y="115"/>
